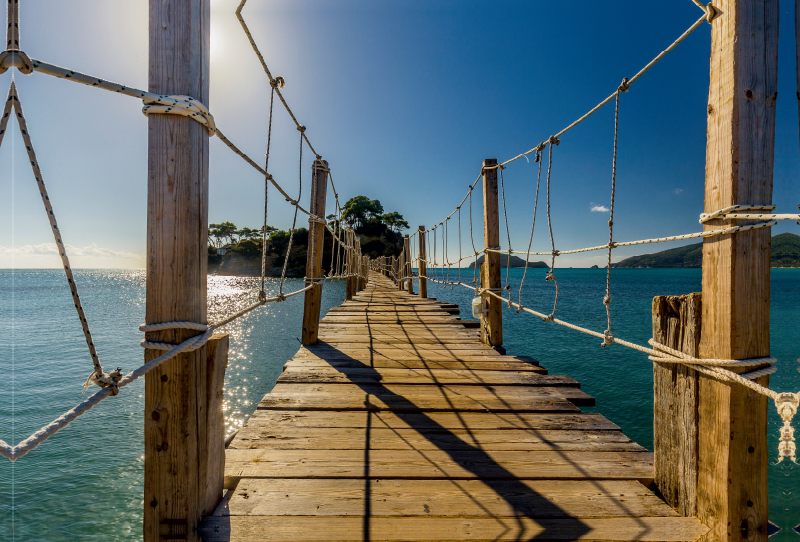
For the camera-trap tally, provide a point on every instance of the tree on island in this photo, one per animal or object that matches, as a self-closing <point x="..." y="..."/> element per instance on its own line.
<point x="394" y="221"/>
<point x="220" y="233"/>
<point x="360" y="210"/>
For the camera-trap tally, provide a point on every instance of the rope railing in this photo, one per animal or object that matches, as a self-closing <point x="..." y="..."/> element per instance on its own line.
<point x="110" y="383"/>
<point x="439" y="264"/>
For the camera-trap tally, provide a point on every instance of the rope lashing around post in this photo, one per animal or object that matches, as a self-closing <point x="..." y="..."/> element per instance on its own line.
<point x="732" y="213"/>
<point x="711" y="11"/>
<point x="180" y="105"/>
<point x="786" y="403"/>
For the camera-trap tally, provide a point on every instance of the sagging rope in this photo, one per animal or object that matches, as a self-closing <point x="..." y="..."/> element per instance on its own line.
<point x="786" y="403"/>
<point x="172" y="350"/>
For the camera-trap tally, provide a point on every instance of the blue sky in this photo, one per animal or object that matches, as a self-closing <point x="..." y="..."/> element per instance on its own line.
<point x="404" y="99"/>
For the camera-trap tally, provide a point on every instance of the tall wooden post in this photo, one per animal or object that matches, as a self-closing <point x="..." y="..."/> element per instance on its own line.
<point x="423" y="282"/>
<point x="316" y="244"/>
<point x="401" y="269"/>
<point x="409" y="272"/>
<point x="183" y="469"/>
<point x="492" y="329"/>
<point x="732" y="450"/>
<point x="350" y="280"/>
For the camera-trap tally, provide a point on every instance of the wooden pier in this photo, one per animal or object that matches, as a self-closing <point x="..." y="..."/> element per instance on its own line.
<point x="400" y="425"/>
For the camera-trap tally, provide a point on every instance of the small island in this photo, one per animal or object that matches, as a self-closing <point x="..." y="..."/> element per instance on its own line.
<point x="237" y="252"/>
<point x="785" y="253"/>
<point x="515" y="262"/>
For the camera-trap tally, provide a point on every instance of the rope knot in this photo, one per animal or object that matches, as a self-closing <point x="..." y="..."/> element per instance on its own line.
<point x="278" y="82"/>
<point x="185" y="106"/>
<point x="15" y="59"/>
<point x="550" y="275"/>
<point x="105" y="380"/>
<point x="301" y="129"/>
<point x="554" y="140"/>
<point x="607" y="300"/>
<point x="608" y="338"/>
<point x="623" y="87"/>
<point x="262" y="296"/>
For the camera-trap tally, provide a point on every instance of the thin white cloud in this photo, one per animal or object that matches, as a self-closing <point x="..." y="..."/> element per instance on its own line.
<point x="49" y="249"/>
<point x="678" y="191"/>
<point x="599" y="209"/>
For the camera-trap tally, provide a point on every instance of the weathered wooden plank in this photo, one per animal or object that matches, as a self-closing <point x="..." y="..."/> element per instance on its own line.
<point x="348" y="375"/>
<point x="347" y="529"/>
<point x="444" y="402"/>
<point x="379" y="438"/>
<point x="433" y="420"/>
<point x="336" y="338"/>
<point x="453" y="464"/>
<point x="444" y="498"/>
<point x="383" y="363"/>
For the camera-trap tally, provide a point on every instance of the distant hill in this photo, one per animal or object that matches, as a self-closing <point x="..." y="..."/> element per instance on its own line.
<point x="516" y="261"/>
<point x="785" y="253"/>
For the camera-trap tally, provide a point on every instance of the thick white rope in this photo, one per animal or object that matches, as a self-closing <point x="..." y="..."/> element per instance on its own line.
<point x="15" y="452"/>
<point x="786" y="403"/>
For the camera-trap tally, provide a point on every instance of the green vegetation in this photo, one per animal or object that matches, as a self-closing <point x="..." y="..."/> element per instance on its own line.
<point x="785" y="253"/>
<point x="234" y="251"/>
<point x="516" y="261"/>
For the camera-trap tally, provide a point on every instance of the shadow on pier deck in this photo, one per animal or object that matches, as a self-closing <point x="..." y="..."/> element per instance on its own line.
<point x="400" y="425"/>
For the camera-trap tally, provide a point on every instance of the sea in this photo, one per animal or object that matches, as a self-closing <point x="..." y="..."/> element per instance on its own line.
<point x="86" y="482"/>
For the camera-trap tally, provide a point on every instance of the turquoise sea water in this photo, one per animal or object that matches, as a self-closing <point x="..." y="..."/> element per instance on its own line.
<point x="85" y="483"/>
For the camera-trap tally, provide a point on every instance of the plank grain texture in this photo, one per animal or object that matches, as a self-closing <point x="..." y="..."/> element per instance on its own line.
<point x="399" y="424"/>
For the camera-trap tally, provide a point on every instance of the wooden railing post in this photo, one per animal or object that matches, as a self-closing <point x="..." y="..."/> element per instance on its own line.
<point x="676" y="324"/>
<point x="183" y="429"/>
<point x="492" y="328"/>
<point x="423" y="282"/>
<point x="732" y="439"/>
<point x="409" y="272"/>
<point x="401" y="269"/>
<point x="350" y="280"/>
<point x="316" y="245"/>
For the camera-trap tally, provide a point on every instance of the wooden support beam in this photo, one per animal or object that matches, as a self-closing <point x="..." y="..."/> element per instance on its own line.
<point x="423" y="282"/>
<point x="676" y="324"/>
<point x="177" y="487"/>
<point x="732" y="450"/>
<point x="350" y="281"/>
<point x="409" y="273"/>
<point x="492" y="330"/>
<point x="401" y="268"/>
<point x="316" y="245"/>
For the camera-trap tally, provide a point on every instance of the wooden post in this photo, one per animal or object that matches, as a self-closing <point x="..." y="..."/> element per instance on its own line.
<point x="732" y="449"/>
<point x="423" y="282"/>
<point x="401" y="267"/>
<point x="676" y="324"/>
<point x="492" y="332"/>
<point x="316" y="244"/>
<point x="350" y="280"/>
<point x="182" y="472"/>
<point x="409" y="272"/>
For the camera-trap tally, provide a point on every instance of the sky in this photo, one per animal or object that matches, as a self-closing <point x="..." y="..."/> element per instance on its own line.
<point x="404" y="99"/>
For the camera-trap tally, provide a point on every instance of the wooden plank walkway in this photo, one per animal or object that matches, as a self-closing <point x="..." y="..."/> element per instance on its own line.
<point x="399" y="425"/>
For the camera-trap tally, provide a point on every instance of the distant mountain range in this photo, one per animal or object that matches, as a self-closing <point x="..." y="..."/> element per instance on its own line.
<point x="785" y="253"/>
<point x="516" y="261"/>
